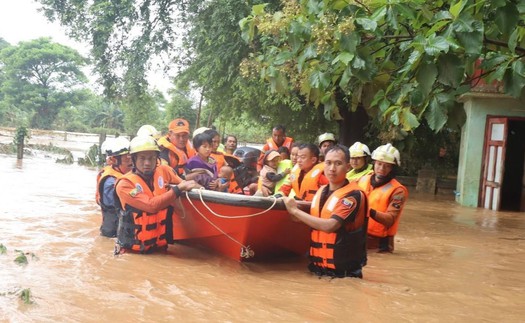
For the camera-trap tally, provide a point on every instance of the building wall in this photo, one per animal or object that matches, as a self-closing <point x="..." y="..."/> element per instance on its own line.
<point x="477" y="106"/>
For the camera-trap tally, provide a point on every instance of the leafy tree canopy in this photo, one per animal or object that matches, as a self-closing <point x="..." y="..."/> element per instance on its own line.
<point x="41" y="76"/>
<point x="405" y="61"/>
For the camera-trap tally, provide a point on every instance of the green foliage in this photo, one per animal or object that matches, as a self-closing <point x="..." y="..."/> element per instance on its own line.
<point x="3" y="249"/>
<point x="91" y="158"/>
<point x="26" y="296"/>
<point x="405" y="61"/>
<point x="21" y="258"/>
<point x="40" y="77"/>
<point x="21" y="134"/>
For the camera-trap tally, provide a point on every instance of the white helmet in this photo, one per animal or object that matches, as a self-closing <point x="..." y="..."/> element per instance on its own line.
<point x="143" y="143"/>
<point x="118" y="146"/>
<point x="387" y="154"/>
<point x="148" y="130"/>
<point x="359" y="150"/>
<point x="200" y="130"/>
<point x="327" y="136"/>
<point x="106" y="145"/>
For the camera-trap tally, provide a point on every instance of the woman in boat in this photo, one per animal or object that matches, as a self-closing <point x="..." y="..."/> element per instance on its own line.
<point x="338" y="219"/>
<point x="202" y="168"/>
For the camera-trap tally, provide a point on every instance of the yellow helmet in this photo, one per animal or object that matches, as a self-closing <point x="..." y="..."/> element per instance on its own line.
<point x="327" y="136"/>
<point x="143" y="143"/>
<point x="118" y="146"/>
<point x="148" y="130"/>
<point x="359" y="150"/>
<point x="387" y="154"/>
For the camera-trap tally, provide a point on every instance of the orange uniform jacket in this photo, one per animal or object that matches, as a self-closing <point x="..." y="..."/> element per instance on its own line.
<point x="144" y="215"/>
<point x="345" y="249"/>
<point x="177" y="158"/>
<point x="311" y="182"/>
<point x="270" y="144"/>
<point x="380" y="199"/>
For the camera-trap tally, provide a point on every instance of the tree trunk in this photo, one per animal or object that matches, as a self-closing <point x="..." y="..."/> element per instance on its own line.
<point x="354" y="124"/>
<point x="20" y="151"/>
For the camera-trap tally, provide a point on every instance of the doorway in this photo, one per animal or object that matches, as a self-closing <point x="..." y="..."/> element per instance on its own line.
<point x="503" y="177"/>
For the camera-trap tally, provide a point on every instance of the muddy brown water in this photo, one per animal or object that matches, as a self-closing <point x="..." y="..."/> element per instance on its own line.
<point x="451" y="264"/>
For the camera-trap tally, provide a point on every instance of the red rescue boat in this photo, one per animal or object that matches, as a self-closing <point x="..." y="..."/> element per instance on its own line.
<point x="241" y="227"/>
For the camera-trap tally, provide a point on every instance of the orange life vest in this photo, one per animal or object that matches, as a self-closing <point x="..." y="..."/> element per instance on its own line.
<point x="270" y="144"/>
<point x="310" y="182"/>
<point x="138" y="230"/>
<point x="345" y="249"/>
<point x="177" y="157"/>
<point x="379" y="199"/>
<point x="109" y="224"/>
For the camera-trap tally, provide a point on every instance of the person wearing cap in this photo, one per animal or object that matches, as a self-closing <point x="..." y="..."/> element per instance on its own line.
<point x="175" y="146"/>
<point x="305" y="179"/>
<point x="277" y="140"/>
<point x="119" y="164"/>
<point x="146" y="200"/>
<point x="338" y="218"/>
<point x="359" y="154"/>
<point x="386" y="197"/>
<point x="268" y="177"/>
<point x="326" y="141"/>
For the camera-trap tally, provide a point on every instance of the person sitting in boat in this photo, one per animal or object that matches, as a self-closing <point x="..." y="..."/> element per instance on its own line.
<point x="359" y="154"/>
<point x="230" y="144"/>
<point x="119" y="164"/>
<point x="338" y="217"/>
<point x="225" y="176"/>
<point x="307" y="177"/>
<point x="224" y="159"/>
<point x="387" y="198"/>
<point x="175" y="146"/>
<point x="269" y="176"/>
<point x="202" y="168"/>
<point x="146" y="199"/>
<point x="326" y="141"/>
<point x="277" y="140"/>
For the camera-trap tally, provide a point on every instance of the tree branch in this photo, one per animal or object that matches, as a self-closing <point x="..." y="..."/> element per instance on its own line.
<point x="502" y="43"/>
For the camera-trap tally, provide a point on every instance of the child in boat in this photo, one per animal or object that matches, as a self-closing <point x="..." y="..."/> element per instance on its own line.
<point x="202" y="168"/>
<point x="269" y="176"/>
<point x="225" y="175"/>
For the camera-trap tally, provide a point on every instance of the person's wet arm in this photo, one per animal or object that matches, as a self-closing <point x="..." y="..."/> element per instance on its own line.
<point x="388" y="217"/>
<point x="128" y="194"/>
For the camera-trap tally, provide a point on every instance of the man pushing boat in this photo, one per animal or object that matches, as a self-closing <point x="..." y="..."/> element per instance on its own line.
<point x="338" y="217"/>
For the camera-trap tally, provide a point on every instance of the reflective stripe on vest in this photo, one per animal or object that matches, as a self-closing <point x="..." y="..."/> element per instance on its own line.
<point x="309" y="184"/>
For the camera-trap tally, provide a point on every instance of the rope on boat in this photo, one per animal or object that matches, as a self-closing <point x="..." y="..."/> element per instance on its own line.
<point x="237" y="216"/>
<point x="246" y="251"/>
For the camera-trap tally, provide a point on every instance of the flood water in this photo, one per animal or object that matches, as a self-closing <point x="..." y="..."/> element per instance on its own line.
<point x="451" y="264"/>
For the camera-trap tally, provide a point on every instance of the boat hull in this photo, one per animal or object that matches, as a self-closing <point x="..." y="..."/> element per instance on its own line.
<point x="238" y="226"/>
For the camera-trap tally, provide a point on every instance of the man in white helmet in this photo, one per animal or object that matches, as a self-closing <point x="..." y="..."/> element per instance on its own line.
<point x="386" y="198"/>
<point x="119" y="163"/>
<point x="326" y="141"/>
<point x="359" y="155"/>
<point x="145" y="197"/>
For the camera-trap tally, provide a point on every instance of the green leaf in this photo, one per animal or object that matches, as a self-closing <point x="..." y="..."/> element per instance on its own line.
<point x="21" y="259"/>
<point x="472" y="42"/>
<point x="348" y="42"/>
<point x="506" y="18"/>
<point x="344" y="57"/>
<point x="436" y="45"/>
<point x="436" y="115"/>
<point x="282" y="58"/>
<point x="345" y="78"/>
<point x="258" y="9"/>
<point x="358" y="63"/>
<point x="426" y="76"/>
<point x="378" y="14"/>
<point x="456" y="8"/>
<point x="407" y="119"/>
<point x="367" y="24"/>
<point x="514" y="79"/>
<point x="405" y="11"/>
<point x="513" y="40"/>
<point x="450" y="70"/>
<point x="3" y="249"/>
<point x="340" y="4"/>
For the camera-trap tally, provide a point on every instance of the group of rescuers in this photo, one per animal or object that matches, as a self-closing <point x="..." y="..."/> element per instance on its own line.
<point x="355" y="205"/>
